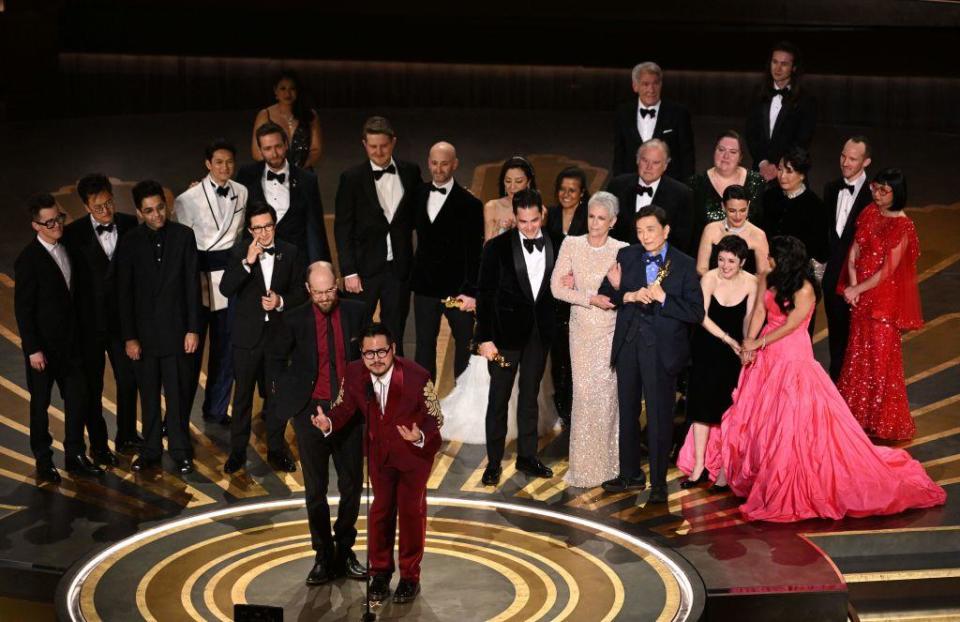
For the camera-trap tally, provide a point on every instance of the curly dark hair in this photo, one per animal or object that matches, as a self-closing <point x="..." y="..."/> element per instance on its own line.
<point x="791" y="270"/>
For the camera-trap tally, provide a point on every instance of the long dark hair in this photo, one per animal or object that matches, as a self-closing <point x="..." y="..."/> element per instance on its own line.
<point x="791" y="270"/>
<point x="302" y="110"/>
<point x="520" y="162"/>
<point x="766" y="85"/>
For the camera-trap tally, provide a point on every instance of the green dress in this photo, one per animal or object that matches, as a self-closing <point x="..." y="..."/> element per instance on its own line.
<point x="708" y="205"/>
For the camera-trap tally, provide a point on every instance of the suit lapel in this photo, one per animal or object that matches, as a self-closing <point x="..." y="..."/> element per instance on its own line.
<point x="519" y="264"/>
<point x="548" y="257"/>
<point x="52" y="264"/>
<point x="395" y="394"/>
<point x="371" y="189"/>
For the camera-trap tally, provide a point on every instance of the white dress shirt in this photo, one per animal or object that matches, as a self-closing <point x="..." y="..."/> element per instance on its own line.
<point x="776" y="103"/>
<point x="266" y="269"/>
<point x="59" y="255"/>
<point x="390" y="192"/>
<point x="646" y="124"/>
<point x="536" y="264"/>
<point x="644" y="200"/>
<point x="277" y="194"/>
<point x="381" y="388"/>
<point x="437" y="199"/>
<point x="845" y="200"/>
<point x="107" y="239"/>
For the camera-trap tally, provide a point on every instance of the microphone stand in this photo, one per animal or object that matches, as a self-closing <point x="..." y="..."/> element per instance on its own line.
<point x="368" y="616"/>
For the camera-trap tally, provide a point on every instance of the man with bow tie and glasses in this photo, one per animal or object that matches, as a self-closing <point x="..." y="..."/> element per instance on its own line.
<point x="214" y="208"/>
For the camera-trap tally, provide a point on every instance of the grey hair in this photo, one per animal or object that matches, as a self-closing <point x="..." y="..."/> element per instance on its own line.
<point x="654" y="142"/>
<point x="607" y="200"/>
<point x="647" y="67"/>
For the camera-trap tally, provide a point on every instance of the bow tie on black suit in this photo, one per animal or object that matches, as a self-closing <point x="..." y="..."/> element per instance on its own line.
<point x="852" y="188"/>
<point x="224" y="191"/>
<point x="392" y="170"/>
<point x="271" y="250"/>
<point x="531" y="244"/>
<point x="435" y="189"/>
<point x="104" y="228"/>
<point x="781" y="92"/>
<point x="644" y="190"/>
<point x="648" y="112"/>
<point x="649" y="259"/>
<point x="280" y="177"/>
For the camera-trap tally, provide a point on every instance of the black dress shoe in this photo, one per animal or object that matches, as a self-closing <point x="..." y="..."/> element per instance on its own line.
<point x="142" y="464"/>
<point x="624" y="484"/>
<point x="81" y="465"/>
<point x="658" y="495"/>
<point x="533" y="467"/>
<point x="322" y="572"/>
<point x="491" y="475"/>
<point x="48" y="473"/>
<point x="351" y="567"/>
<point x="184" y="466"/>
<point x="105" y="457"/>
<point x="380" y="587"/>
<point x="718" y="488"/>
<point x="406" y="591"/>
<point x="281" y="462"/>
<point x="692" y="483"/>
<point x="130" y="446"/>
<point x="223" y="420"/>
<point x="234" y="463"/>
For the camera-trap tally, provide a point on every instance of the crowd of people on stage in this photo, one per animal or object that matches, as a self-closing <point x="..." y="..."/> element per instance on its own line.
<point x="706" y="281"/>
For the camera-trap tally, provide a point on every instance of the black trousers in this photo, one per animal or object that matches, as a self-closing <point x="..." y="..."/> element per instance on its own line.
<point x="641" y="376"/>
<point x="171" y="373"/>
<point x="838" y="327"/>
<point x="529" y="363"/>
<point x="426" y="315"/>
<point x="64" y="371"/>
<point x="560" y="368"/>
<point x="248" y="366"/>
<point x="393" y="294"/>
<point x="346" y="448"/>
<point x="96" y="348"/>
<point x="216" y="397"/>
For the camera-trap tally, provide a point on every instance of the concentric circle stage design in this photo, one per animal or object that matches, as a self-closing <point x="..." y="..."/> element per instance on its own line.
<point x="484" y="560"/>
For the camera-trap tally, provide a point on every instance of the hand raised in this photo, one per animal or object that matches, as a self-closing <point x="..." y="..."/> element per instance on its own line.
<point x="411" y="434"/>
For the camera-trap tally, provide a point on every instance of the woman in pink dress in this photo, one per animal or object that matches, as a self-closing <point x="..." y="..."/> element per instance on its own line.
<point x="789" y="444"/>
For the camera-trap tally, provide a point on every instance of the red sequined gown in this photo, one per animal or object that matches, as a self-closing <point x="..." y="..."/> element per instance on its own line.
<point x="872" y="378"/>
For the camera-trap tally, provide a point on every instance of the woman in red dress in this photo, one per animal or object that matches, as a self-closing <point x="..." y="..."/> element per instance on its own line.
<point x="881" y="287"/>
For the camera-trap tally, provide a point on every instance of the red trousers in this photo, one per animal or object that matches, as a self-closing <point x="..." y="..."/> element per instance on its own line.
<point x="402" y="493"/>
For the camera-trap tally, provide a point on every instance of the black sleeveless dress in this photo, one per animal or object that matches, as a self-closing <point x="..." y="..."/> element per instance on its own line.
<point x="716" y="368"/>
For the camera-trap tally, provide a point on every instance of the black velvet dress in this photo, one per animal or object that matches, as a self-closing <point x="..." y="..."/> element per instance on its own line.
<point x="716" y="368"/>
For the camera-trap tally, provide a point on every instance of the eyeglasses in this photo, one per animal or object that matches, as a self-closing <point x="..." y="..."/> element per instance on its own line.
<point x="380" y="354"/>
<point x="880" y="189"/>
<point x="103" y="207"/>
<point x="323" y="292"/>
<point x="53" y="222"/>
<point x="259" y="228"/>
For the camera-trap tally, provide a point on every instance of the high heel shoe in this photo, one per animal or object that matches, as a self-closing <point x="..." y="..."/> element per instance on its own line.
<point x="690" y="483"/>
<point x="718" y="488"/>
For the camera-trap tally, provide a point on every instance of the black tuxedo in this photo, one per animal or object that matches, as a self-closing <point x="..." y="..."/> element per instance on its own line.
<point x="302" y="225"/>
<point x="674" y="197"/>
<point x="651" y="345"/>
<point x="794" y="127"/>
<point x="447" y="263"/>
<point x="47" y="320"/>
<point x="159" y="305"/>
<point x="297" y="350"/>
<point x="838" y="312"/>
<point x="520" y="322"/>
<point x="252" y="333"/>
<point x="673" y="127"/>
<point x="361" y="231"/>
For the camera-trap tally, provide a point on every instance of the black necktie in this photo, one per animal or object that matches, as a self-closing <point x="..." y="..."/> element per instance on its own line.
<point x="649" y="259"/>
<point x="390" y="169"/>
<point x="644" y="190"/>
<point x="224" y="190"/>
<point x="280" y="177"/>
<point x="332" y="355"/>
<point x="435" y="189"/>
<point x="531" y="244"/>
<point x="849" y="187"/>
<point x="271" y="250"/>
<point x="102" y="228"/>
<point x="648" y="112"/>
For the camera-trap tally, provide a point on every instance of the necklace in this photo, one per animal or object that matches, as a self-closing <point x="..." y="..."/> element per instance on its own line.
<point x="735" y="230"/>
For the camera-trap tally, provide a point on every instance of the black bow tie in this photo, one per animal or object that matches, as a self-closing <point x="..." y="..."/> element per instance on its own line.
<point x="271" y="250"/>
<point x="390" y="169"/>
<point x="851" y="188"/>
<point x="531" y="244"/>
<point x="435" y="189"/>
<point x="644" y="190"/>
<point x="649" y="259"/>
<point x="781" y="92"/>
<point x="280" y="177"/>
<point x="102" y="228"/>
<point x="648" y="112"/>
<point x="224" y="191"/>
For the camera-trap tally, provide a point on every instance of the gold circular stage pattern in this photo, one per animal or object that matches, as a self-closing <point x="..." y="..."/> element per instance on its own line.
<point x="484" y="561"/>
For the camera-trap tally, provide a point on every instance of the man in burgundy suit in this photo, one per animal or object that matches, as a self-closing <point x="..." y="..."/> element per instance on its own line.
<point x="403" y="434"/>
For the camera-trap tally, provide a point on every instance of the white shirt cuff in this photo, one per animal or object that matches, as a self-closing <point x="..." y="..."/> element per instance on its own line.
<point x="422" y="441"/>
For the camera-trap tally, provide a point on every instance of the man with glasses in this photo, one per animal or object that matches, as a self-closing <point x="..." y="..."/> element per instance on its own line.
<point x="263" y="279"/>
<point x="49" y="333"/>
<point x="318" y="341"/>
<point x="93" y="240"/>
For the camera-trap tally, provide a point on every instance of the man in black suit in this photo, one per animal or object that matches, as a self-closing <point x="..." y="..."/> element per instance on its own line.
<point x="783" y="116"/>
<point x="93" y="240"/>
<point x="374" y="227"/>
<point x="515" y="316"/>
<point x="657" y="290"/>
<point x="160" y="322"/>
<point x="845" y="198"/>
<point x="291" y="191"/>
<point x="316" y="343"/>
<point x="652" y="117"/>
<point x="449" y="225"/>
<point x="649" y="186"/>
<point x="263" y="278"/>
<point x="44" y="306"/>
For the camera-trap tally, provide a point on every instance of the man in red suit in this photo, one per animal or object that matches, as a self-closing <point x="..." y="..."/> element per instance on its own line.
<point x="398" y="400"/>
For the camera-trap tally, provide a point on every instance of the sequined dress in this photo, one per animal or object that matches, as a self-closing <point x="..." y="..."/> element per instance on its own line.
<point x="708" y="204"/>
<point x="872" y="378"/>
<point x="594" y="422"/>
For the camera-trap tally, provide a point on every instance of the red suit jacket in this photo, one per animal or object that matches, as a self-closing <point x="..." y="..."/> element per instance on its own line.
<point x="410" y="399"/>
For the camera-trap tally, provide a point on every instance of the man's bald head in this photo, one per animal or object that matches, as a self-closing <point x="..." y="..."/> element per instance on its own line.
<point x="442" y="162"/>
<point x="322" y="285"/>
